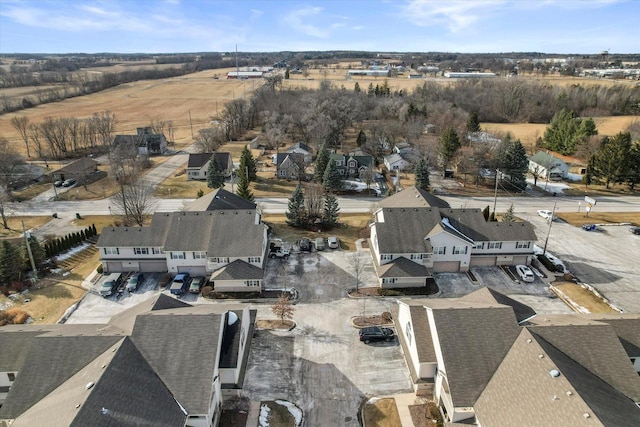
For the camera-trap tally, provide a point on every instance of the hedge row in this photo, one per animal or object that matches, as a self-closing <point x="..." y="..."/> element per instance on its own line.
<point x="63" y="244"/>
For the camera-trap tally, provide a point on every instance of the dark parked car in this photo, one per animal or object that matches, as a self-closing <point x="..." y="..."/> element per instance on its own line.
<point x="635" y="230"/>
<point x="305" y="245"/>
<point x="376" y="333"/>
<point x="69" y="183"/>
<point x="180" y="284"/>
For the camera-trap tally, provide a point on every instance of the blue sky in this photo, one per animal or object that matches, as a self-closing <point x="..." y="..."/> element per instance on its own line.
<point x="156" y="26"/>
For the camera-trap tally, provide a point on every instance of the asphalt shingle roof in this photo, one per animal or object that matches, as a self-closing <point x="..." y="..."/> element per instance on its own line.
<point x="81" y="165"/>
<point x="422" y="334"/>
<point x="197" y="160"/>
<point x="491" y="296"/>
<point x="238" y="270"/>
<point x="402" y="267"/>
<point x="545" y="160"/>
<point x="413" y="197"/>
<point x="219" y="200"/>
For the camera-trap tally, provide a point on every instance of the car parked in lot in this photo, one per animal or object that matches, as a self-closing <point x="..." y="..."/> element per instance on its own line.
<point x="196" y="285"/>
<point x="110" y="284"/>
<point x="319" y="244"/>
<point x="58" y="183"/>
<point x="305" y="245"/>
<point x="180" y="284"/>
<point x="547" y="215"/>
<point x="69" y="183"/>
<point x="134" y="281"/>
<point x="333" y="242"/>
<point x="525" y="273"/>
<point x="635" y="230"/>
<point x="376" y="333"/>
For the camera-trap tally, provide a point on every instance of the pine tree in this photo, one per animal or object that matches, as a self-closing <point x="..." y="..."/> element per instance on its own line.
<point x="321" y="164"/>
<point x="473" y="123"/>
<point x="331" y="179"/>
<point x="10" y="265"/>
<point x="331" y="210"/>
<point x="508" y="215"/>
<point x="449" y="145"/>
<point x="248" y="165"/>
<point x="215" y="175"/>
<point x="296" y="213"/>
<point x="514" y="163"/>
<point x="361" y="139"/>
<point x="356" y="88"/>
<point x="422" y="174"/>
<point x="612" y="160"/>
<point x="485" y="213"/>
<point x="633" y="175"/>
<point x="83" y="236"/>
<point x="94" y="232"/>
<point x="286" y="74"/>
<point x="566" y="132"/>
<point x="243" y="189"/>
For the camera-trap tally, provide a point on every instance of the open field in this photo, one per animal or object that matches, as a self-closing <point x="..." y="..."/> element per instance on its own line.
<point x="15" y="225"/>
<point x="595" y="217"/>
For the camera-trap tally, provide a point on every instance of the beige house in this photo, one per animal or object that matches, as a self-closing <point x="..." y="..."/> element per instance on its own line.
<point x="163" y="362"/>
<point x="198" y="165"/>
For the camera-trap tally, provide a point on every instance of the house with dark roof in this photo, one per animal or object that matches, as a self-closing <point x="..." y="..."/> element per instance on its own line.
<point x="486" y="363"/>
<point x="301" y="148"/>
<point x="352" y="166"/>
<point x="289" y="165"/>
<point x="148" y="143"/>
<point x="395" y="162"/>
<point x="79" y="170"/>
<point x="411" y="239"/>
<point x="548" y="166"/>
<point x="153" y="364"/>
<point x="198" y="164"/>
<point x="213" y="232"/>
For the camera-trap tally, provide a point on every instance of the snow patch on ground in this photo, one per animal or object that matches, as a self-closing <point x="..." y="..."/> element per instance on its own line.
<point x="551" y="186"/>
<point x="71" y="252"/>
<point x="293" y="410"/>
<point x="263" y="420"/>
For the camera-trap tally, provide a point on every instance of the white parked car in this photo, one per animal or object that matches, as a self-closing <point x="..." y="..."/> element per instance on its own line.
<point x="525" y="273"/>
<point x="333" y="242"/>
<point x="546" y="215"/>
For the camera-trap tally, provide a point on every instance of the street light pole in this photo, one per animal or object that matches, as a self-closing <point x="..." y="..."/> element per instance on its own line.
<point x="553" y="212"/>
<point x="495" y="194"/>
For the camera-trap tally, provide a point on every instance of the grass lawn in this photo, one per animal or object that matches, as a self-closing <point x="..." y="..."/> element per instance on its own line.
<point x="351" y="228"/>
<point x="595" y="217"/>
<point x="381" y="413"/>
<point x="32" y="191"/>
<point x="269" y="185"/>
<point x="584" y="298"/>
<point x="178" y="187"/>
<point x="15" y="225"/>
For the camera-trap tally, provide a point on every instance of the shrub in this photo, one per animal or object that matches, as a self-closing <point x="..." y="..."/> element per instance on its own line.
<point x="387" y="316"/>
<point x="388" y="293"/>
<point x="547" y="263"/>
<point x="13" y="316"/>
<point x="100" y="269"/>
<point x="206" y="291"/>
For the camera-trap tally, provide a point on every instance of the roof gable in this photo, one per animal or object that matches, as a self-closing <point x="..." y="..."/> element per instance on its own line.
<point x="219" y="199"/>
<point x="489" y="296"/>
<point x="413" y="197"/>
<point x="238" y="270"/>
<point x="546" y="160"/>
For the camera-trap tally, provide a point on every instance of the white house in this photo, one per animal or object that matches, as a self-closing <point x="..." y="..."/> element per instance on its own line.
<point x="198" y="164"/>
<point x="394" y="162"/>
<point x="548" y="167"/>
<point x="413" y="236"/>
<point x="218" y="230"/>
<point x="161" y="362"/>
<point x="301" y="148"/>
<point x="489" y="360"/>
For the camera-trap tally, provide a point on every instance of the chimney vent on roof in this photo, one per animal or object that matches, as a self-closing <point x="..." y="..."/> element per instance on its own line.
<point x="89" y="385"/>
<point x="586" y="415"/>
<point x="554" y="373"/>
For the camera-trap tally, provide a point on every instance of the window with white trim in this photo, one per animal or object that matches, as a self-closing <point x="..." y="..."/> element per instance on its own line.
<point x="388" y="280"/>
<point x="408" y="333"/>
<point x="523" y="245"/>
<point x="141" y="251"/>
<point x="220" y="260"/>
<point x="439" y="250"/>
<point x="495" y="245"/>
<point x="253" y="283"/>
<point x="178" y="255"/>
<point x="254" y="259"/>
<point x="199" y="255"/>
<point x="416" y="257"/>
<point x="157" y="251"/>
<point x="111" y="251"/>
<point x="479" y="245"/>
<point x="459" y="250"/>
<point x="386" y="257"/>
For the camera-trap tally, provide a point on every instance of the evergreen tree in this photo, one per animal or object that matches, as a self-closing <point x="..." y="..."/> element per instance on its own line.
<point x="449" y="145"/>
<point x="612" y="160"/>
<point x="215" y="175"/>
<point x="356" y="88"/>
<point x="286" y="74"/>
<point x="485" y="213"/>
<point x="331" y="180"/>
<point x="331" y="210"/>
<point x="508" y="215"/>
<point x="243" y="189"/>
<point x="248" y="165"/>
<point x="633" y="175"/>
<point x="10" y="263"/>
<point x="473" y="123"/>
<point x="566" y="132"/>
<point x="297" y="213"/>
<point x="361" y="139"/>
<point x="37" y="251"/>
<point x="514" y="162"/>
<point x="94" y="232"/>
<point x="422" y="174"/>
<point x="321" y="164"/>
<point x="83" y="236"/>
<point x="370" y="90"/>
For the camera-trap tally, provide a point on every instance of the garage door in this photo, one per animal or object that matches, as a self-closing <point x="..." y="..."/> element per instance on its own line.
<point x="520" y="260"/>
<point x="199" y="270"/>
<point x="484" y="261"/>
<point x="153" y="266"/>
<point x="113" y="267"/>
<point x="446" y="266"/>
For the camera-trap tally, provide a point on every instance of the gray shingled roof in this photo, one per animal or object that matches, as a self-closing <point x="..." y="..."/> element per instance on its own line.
<point x="238" y="270"/>
<point x="413" y="197"/>
<point x="81" y="165"/>
<point x="49" y="363"/>
<point x="402" y="267"/>
<point x="132" y="394"/>
<point x="236" y="234"/>
<point x="627" y="327"/>
<point x="473" y="341"/>
<point x="174" y="346"/>
<point x="545" y="160"/>
<point x="489" y="296"/>
<point x="422" y="333"/>
<point x="597" y="348"/>
<point x="15" y="348"/>
<point x="219" y="199"/>
<point x="197" y="160"/>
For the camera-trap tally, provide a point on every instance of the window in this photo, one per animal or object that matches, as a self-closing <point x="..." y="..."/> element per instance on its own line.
<point x="408" y="333"/>
<point x="439" y="250"/>
<point x="254" y="259"/>
<point x="111" y="251"/>
<point x="220" y="260"/>
<point x="253" y="283"/>
<point x="495" y="245"/>
<point x="480" y="245"/>
<point x="177" y="255"/>
<point x="386" y="257"/>
<point x="352" y="164"/>
<point x="157" y="251"/>
<point x="458" y="250"/>
<point x="12" y="376"/>
<point x="521" y="245"/>
<point x="388" y="280"/>
<point x="341" y="171"/>
<point x="141" y="251"/>
<point x="199" y="255"/>
<point x="416" y="256"/>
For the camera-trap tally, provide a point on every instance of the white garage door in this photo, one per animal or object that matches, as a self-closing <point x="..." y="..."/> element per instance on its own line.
<point x="484" y="261"/>
<point x="446" y="266"/>
<point x="153" y="266"/>
<point x="520" y="260"/>
<point x="199" y="270"/>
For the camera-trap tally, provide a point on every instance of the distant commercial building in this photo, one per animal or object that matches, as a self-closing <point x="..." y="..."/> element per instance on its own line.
<point x="381" y="72"/>
<point x="245" y="74"/>
<point x="473" y="75"/>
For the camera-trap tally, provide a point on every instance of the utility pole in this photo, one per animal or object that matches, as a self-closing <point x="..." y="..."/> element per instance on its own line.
<point x="26" y="241"/>
<point x="495" y="194"/>
<point x="191" y="123"/>
<point x="553" y="213"/>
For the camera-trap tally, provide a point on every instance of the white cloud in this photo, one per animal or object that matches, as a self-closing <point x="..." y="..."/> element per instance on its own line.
<point x="453" y="14"/>
<point x="255" y="14"/>
<point x="298" y="20"/>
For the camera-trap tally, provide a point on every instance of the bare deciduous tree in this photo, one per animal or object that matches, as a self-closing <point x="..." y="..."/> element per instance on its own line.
<point x="135" y="201"/>
<point x="21" y="124"/>
<point x="357" y="265"/>
<point x="283" y="308"/>
<point x="209" y="139"/>
<point x="314" y="201"/>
